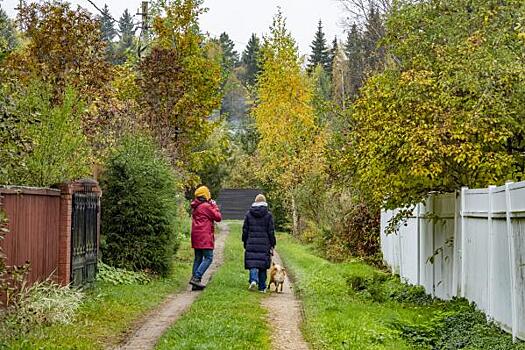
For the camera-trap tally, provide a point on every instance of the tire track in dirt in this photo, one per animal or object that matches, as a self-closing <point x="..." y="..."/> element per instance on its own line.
<point x="285" y="317"/>
<point x="160" y="319"/>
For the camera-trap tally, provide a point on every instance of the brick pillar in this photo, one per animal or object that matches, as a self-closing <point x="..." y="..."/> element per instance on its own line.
<point x="64" y="247"/>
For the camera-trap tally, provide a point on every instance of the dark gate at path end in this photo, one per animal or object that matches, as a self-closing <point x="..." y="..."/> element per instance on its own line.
<point x="234" y="203"/>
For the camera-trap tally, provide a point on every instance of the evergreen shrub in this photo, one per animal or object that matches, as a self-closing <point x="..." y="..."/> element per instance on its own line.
<point x="139" y="208"/>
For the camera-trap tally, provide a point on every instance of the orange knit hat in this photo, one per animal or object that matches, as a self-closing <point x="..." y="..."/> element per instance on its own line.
<point x="203" y="191"/>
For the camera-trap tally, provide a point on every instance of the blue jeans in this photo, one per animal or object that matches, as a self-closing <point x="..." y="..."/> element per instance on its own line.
<point x="203" y="259"/>
<point x="259" y="276"/>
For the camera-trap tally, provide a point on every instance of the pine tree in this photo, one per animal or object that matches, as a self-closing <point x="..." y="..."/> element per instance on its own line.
<point x="107" y="27"/>
<point x="8" y="40"/>
<point x="126" y="31"/>
<point x="250" y="58"/>
<point x="373" y="33"/>
<point x="320" y="52"/>
<point x="230" y="57"/>
<point x="355" y="52"/>
<point x="126" y="28"/>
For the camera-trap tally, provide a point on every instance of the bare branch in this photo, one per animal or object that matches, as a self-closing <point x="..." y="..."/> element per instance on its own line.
<point x="102" y="12"/>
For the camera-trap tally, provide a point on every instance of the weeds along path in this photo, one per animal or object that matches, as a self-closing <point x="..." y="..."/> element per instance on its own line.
<point x="159" y="320"/>
<point x="285" y="317"/>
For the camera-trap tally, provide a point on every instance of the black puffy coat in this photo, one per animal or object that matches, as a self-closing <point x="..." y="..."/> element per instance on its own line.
<point x="258" y="236"/>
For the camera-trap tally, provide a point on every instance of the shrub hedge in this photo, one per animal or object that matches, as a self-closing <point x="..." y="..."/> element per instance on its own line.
<point x="139" y="208"/>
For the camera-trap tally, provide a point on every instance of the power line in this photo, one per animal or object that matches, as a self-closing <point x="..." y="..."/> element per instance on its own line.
<point x="102" y="12"/>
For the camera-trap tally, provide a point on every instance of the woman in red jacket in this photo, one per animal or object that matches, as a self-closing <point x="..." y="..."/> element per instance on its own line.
<point x="205" y="213"/>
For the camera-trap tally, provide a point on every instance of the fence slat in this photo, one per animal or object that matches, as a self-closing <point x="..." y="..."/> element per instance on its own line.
<point x="512" y="263"/>
<point x="34" y="229"/>
<point x="488" y="228"/>
<point x="463" y="243"/>
<point x="490" y="286"/>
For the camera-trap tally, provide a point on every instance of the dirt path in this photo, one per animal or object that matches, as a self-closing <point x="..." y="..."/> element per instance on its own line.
<point x="284" y="317"/>
<point x="158" y="321"/>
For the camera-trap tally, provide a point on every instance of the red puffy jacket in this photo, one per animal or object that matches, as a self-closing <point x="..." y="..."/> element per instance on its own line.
<point x="202" y="230"/>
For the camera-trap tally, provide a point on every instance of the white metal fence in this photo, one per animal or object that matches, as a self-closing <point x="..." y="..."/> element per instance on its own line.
<point x="469" y="244"/>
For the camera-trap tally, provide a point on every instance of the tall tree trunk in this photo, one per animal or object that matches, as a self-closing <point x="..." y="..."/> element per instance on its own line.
<point x="295" y="220"/>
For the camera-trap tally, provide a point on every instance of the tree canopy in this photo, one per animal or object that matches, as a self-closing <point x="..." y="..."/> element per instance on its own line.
<point x="8" y="39"/>
<point x="448" y="111"/>
<point x="230" y="57"/>
<point x="107" y="26"/>
<point x="291" y="143"/>
<point x="180" y="84"/>
<point x="320" y="52"/>
<point x="250" y="58"/>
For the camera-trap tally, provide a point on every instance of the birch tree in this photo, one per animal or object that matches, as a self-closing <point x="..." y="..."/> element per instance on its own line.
<point x="291" y="144"/>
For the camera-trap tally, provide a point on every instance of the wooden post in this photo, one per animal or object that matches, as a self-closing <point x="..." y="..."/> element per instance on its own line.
<point x="295" y="224"/>
<point x="144" y="35"/>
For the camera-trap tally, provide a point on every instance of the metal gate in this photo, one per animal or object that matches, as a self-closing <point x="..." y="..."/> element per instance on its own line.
<point x="234" y="203"/>
<point x="84" y="238"/>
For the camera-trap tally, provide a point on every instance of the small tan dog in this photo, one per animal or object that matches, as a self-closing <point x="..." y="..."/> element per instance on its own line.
<point x="277" y="277"/>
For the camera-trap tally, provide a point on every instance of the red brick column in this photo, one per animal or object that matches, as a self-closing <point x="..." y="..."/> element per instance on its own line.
<point x="64" y="247"/>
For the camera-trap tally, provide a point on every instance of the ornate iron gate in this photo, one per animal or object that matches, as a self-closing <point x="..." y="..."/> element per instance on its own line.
<point x="84" y="240"/>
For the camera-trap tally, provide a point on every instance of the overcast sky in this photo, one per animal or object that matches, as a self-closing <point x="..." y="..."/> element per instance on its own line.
<point x="240" y="18"/>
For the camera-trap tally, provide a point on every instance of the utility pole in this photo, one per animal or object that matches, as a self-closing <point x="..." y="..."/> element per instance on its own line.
<point x="144" y="34"/>
<point x="19" y="8"/>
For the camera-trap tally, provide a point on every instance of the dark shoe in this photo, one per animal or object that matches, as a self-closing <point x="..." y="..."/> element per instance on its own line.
<point x="195" y="288"/>
<point x="196" y="283"/>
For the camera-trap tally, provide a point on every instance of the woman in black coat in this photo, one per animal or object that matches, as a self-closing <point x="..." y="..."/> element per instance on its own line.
<point x="258" y="236"/>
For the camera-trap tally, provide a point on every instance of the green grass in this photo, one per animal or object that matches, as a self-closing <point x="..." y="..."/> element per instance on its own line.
<point x="110" y="311"/>
<point x="226" y="315"/>
<point x="355" y="306"/>
<point x="335" y="318"/>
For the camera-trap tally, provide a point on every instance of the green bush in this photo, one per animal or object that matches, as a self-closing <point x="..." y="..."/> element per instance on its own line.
<point x="459" y="325"/>
<point x="139" y="208"/>
<point x="43" y="303"/>
<point x="339" y="221"/>
<point x="117" y="276"/>
<point x="41" y="140"/>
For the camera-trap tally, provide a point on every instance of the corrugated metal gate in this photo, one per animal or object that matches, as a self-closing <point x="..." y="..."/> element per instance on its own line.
<point x="234" y="203"/>
<point x="34" y="229"/>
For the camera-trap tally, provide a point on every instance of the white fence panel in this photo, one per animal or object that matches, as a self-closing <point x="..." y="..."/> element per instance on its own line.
<point x="520" y="249"/>
<point x="470" y="244"/>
